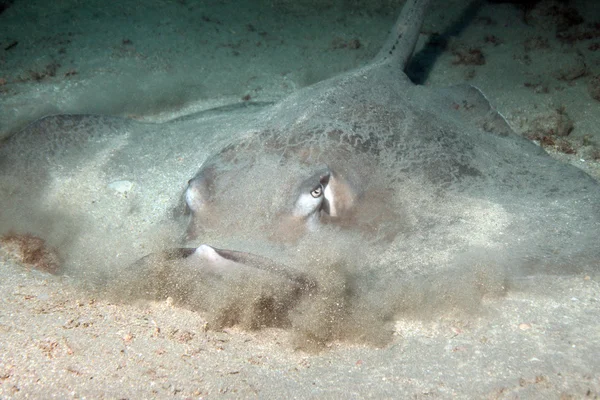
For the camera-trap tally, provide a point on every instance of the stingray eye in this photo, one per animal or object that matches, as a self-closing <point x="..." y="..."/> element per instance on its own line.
<point x="317" y="191"/>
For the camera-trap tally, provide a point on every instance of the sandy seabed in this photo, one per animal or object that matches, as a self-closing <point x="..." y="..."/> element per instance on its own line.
<point x="540" y="340"/>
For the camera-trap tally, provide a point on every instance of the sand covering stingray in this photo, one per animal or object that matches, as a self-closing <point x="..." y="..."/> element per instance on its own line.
<point x="428" y="200"/>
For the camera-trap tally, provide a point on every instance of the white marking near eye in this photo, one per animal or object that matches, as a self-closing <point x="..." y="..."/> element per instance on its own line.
<point x="306" y="205"/>
<point x="196" y="194"/>
<point x="330" y="197"/>
<point x="192" y="199"/>
<point x="195" y="198"/>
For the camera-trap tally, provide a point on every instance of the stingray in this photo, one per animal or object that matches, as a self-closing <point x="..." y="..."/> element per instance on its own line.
<point x="330" y="212"/>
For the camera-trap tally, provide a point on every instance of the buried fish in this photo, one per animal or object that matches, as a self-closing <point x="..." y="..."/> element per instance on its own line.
<point x="332" y="212"/>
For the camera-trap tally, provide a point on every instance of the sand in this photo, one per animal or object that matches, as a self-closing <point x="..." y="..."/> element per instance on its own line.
<point x="539" y="339"/>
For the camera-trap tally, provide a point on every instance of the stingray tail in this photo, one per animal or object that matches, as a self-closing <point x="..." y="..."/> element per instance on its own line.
<point x="401" y="41"/>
